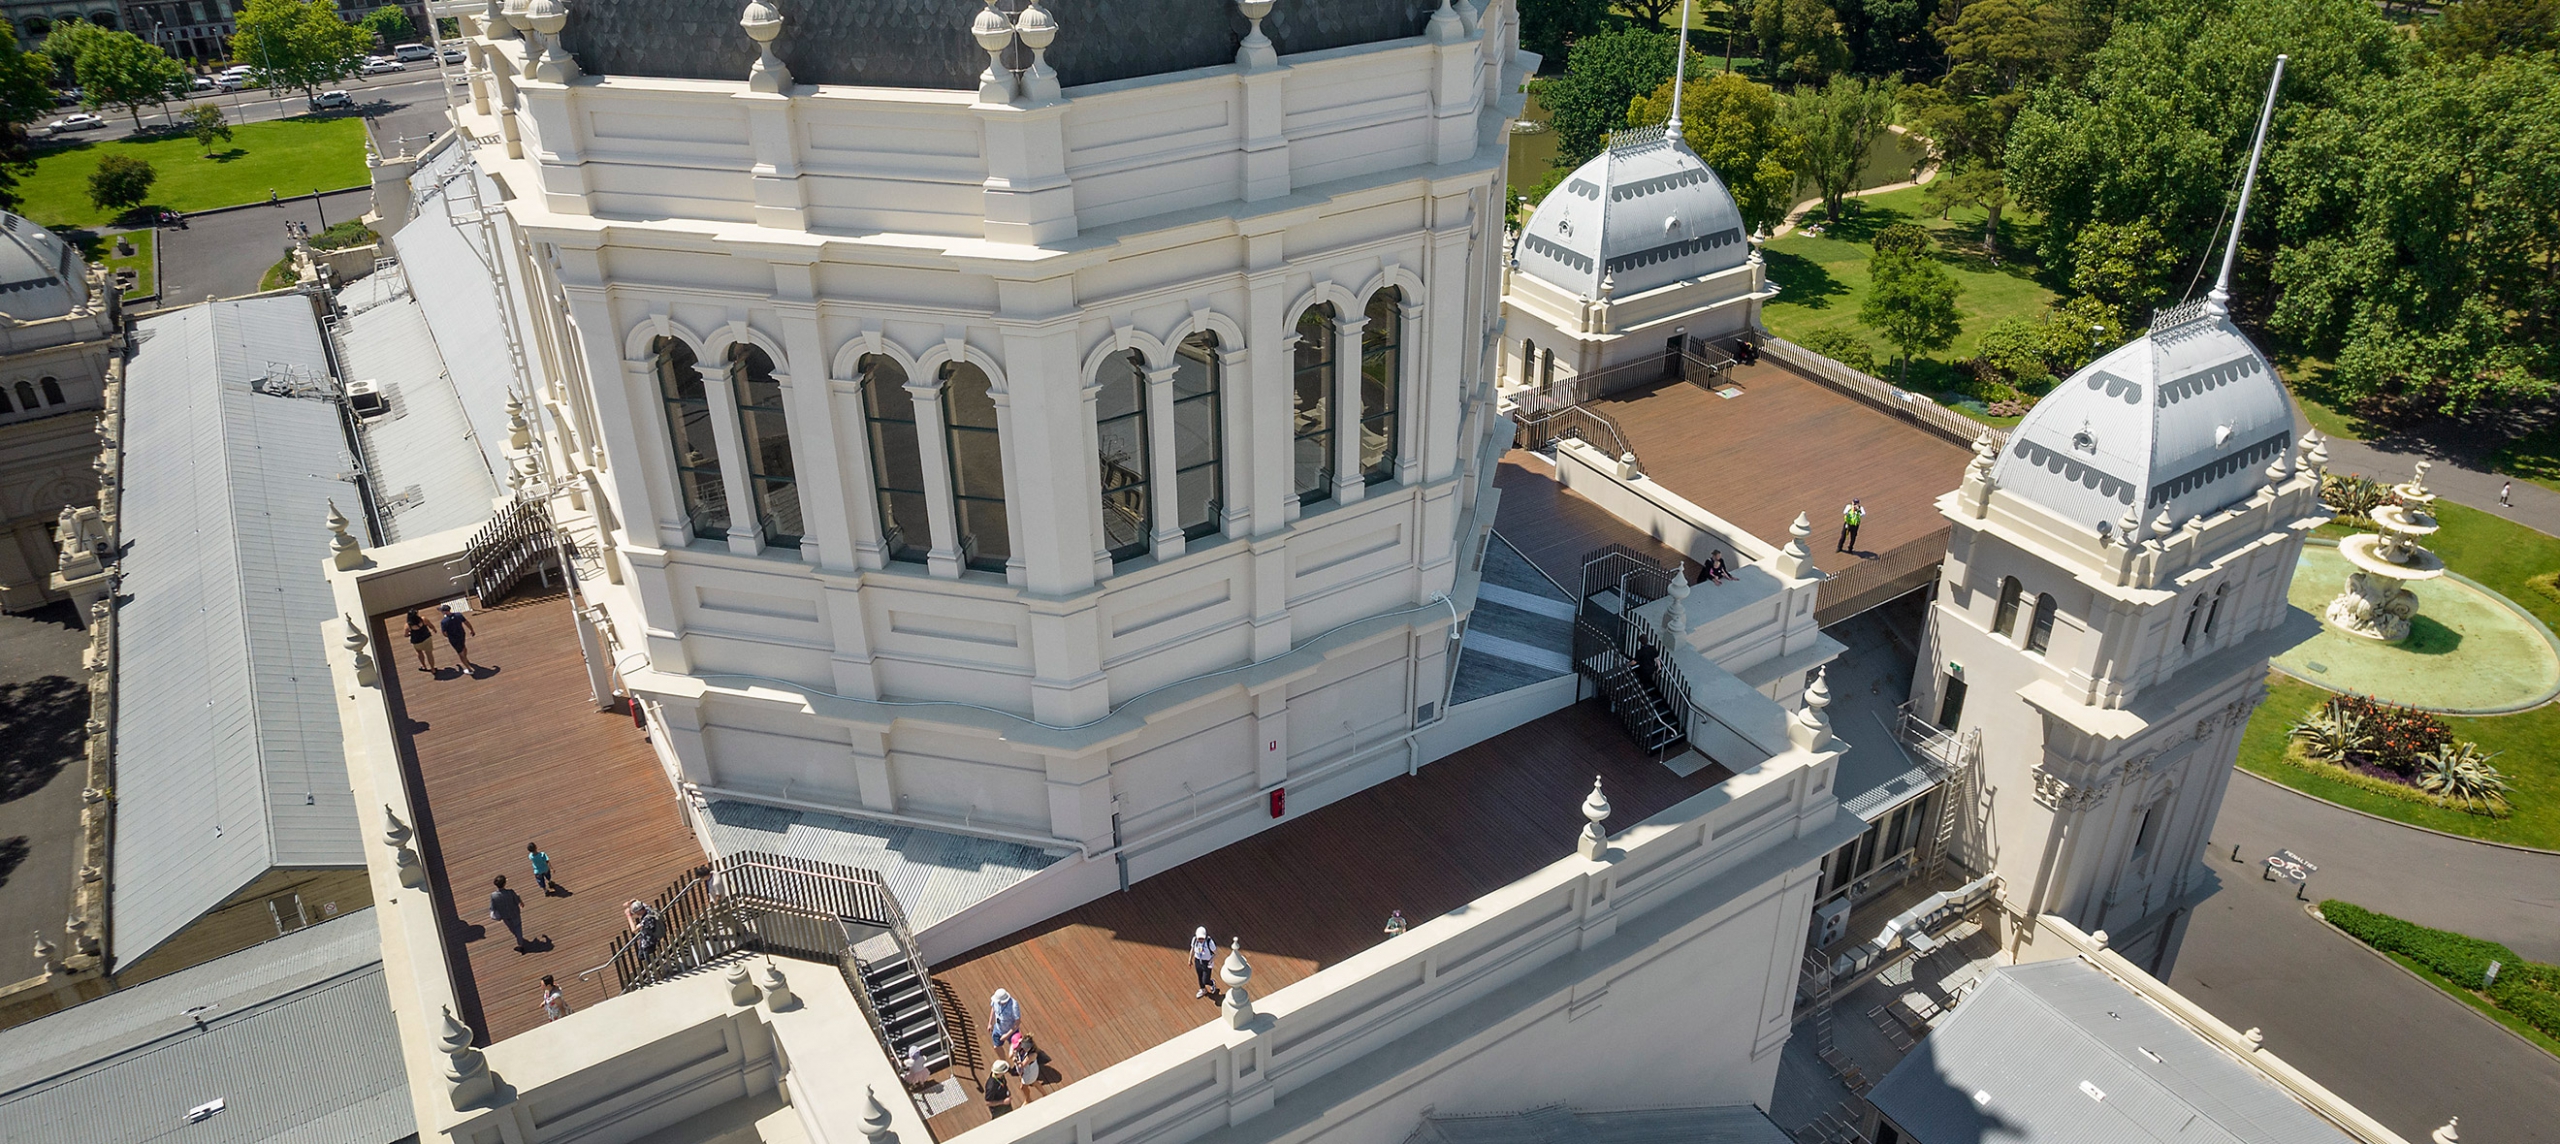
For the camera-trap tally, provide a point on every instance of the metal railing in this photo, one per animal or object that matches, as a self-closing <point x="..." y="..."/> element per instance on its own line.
<point x="520" y="541"/>
<point x="1916" y="408"/>
<point x="1575" y="422"/>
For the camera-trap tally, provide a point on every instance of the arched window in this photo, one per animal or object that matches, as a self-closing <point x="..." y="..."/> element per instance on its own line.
<point x="1198" y="452"/>
<point x="36" y="27"/>
<point x="26" y="396"/>
<point x="2040" y="631"/>
<point x="977" y="466"/>
<point x="1528" y="361"/>
<point x="688" y="404"/>
<point x="1546" y="370"/>
<point x="2195" y="612"/>
<point x="897" y="468"/>
<point x="1120" y="424"/>
<point x="1312" y="395"/>
<point x="2007" y="617"/>
<point x="52" y="390"/>
<point x="767" y="437"/>
<point x="1381" y="369"/>
<point x="4" y="399"/>
<point x="2213" y="615"/>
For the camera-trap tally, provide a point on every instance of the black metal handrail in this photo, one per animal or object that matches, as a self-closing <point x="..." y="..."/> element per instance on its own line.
<point x="1577" y="422"/>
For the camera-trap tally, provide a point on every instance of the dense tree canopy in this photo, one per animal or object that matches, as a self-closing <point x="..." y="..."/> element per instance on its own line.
<point x="297" y="43"/>
<point x="1834" y="125"/>
<point x="1608" y="73"/>
<point x="1733" y="124"/>
<point x="389" y="23"/>
<point x="1550" y="27"/>
<point x="120" y="69"/>
<point x="1800" y="40"/>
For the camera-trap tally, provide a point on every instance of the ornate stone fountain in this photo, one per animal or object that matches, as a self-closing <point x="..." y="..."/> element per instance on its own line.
<point x="2377" y="602"/>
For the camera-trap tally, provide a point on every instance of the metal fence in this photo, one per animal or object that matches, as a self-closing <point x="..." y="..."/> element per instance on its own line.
<point x="1912" y="407"/>
<point x="1576" y="422"/>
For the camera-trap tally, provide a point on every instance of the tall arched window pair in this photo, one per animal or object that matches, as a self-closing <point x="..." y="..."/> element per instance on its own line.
<point x="2039" y="629"/>
<point x="1153" y="446"/>
<point x="27" y="395"/>
<point x="972" y="454"/>
<point x="1313" y="394"/>
<point x="764" y="438"/>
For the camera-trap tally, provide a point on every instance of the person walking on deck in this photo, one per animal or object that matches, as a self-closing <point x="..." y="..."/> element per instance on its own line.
<point x="457" y="627"/>
<point x="1851" y="516"/>
<point x="554" y="1006"/>
<point x="507" y="908"/>
<point x="541" y="866"/>
<point x="1204" y="951"/>
<point x="422" y="640"/>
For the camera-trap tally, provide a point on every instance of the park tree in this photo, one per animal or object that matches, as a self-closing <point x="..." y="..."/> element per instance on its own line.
<point x="1971" y="183"/>
<point x="1900" y="239"/>
<point x="1800" y="40"/>
<point x="120" y="69"/>
<point x="2482" y="29"/>
<point x="63" y="44"/>
<point x="205" y="122"/>
<point x="389" y="23"/>
<point x="1843" y="346"/>
<point x="1835" y="125"/>
<point x="2129" y="267"/>
<point x="1733" y="124"/>
<point x="1551" y="28"/>
<point x="297" y="43"/>
<point x="2012" y="41"/>
<point x="25" y="95"/>
<point x="1605" y="75"/>
<point x="1911" y="300"/>
<point x="121" y="182"/>
<point x="1650" y="12"/>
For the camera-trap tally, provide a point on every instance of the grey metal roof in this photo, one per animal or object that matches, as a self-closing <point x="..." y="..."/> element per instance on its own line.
<point x="229" y="759"/>
<point x="1645" y="209"/>
<point x="429" y="470"/>
<point x="935" y="874"/>
<point x="297" y="1040"/>
<point x="926" y="43"/>
<point x="444" y="261"/>
<point x="1556" y="1124"/>
<point x="40" y="275"/>
<point x="2058" y="1052"/>
<point x="2183" y="419"/>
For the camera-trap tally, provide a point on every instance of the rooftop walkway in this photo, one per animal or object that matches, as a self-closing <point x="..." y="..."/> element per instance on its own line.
<point x="1107" y="980"/>
<point x="1789" y="444"/>
<point x="520" y="754"/>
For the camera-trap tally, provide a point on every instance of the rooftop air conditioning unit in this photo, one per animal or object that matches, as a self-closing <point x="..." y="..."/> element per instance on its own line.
<point x="365" y="398"/>
<point x="1831" y="922"/>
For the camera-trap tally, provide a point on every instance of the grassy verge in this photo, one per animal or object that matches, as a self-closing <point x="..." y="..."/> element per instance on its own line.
<point x="2533" y="457"/>
<point x="1823" y="281"/>
<point x="2525" y="996"/>
<point x="101" y="248"/>
<point x="289" y="156"/>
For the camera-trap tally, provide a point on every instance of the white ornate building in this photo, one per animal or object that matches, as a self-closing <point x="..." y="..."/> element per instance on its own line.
<point x="1074" y="462"/>
<point x="59" y="323"/>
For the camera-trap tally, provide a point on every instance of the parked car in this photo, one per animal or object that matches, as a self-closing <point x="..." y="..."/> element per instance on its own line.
<point x="379" y="67"/>
<point x="81" y="122"/>
<point x="412" y="53"/>
<point x="329" y="99"/>
<point x="204" y="83"/>
<point x="231" y="82"/>
<point x="66" y="98"/>
<point x="453" y="55"/>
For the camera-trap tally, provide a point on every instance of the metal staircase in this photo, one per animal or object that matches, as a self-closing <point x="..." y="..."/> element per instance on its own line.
<point x="1954" y="758"/>
<point x="902" y="999"/>
<point x="1653" y="705"/>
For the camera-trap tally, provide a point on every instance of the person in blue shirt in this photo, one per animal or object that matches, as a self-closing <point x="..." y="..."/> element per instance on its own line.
<point x="541" y="866"/>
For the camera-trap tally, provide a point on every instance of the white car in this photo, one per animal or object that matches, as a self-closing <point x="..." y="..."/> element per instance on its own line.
<point x="328" y="99"/>
<point x="380" y="67"/>
<point x="81" y="122"/>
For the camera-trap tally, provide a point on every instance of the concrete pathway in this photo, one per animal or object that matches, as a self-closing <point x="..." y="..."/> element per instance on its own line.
<point x="225" y="253"/>
<point x="2457" y="475"/>
<point x="1797" y="212"/>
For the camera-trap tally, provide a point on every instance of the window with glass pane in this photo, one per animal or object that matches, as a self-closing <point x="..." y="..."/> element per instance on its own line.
<point x="767" y="437"/>
<point x="1312" y="409"/>
<point x="897" y="468"/>
<point x="2007" y="616"/>
<point x="2040" y="629"/>
<point x="1381" y="365"/>
<point x="1196" y="446"/>
<point x="706" y="495"/>
<point x="1120" y="421"/>
<point x="977" y="466"/>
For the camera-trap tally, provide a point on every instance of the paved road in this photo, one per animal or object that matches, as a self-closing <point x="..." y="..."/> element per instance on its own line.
<point x="2457" y="474"/>
<point x="44" y="698"/>
<point x="224" y="254"/>
<point x="2393" y="1045"/>
<point x="2511" y="896"/>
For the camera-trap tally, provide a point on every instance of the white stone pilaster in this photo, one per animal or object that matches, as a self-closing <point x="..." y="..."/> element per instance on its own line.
<point x="1162" y="502"/>
<point x="943" y="558"/>
<point x="1348" y="484"/>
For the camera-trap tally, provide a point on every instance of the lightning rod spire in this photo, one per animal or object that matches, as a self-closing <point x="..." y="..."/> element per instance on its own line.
<point x="2218" y="303"/>
<point x="1679" y="73"/>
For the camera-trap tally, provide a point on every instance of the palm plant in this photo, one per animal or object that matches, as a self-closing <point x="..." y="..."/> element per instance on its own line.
<point x="2353" y="494"/>
<point x="2459" y="772"/>
<point x="2327" y="733"/>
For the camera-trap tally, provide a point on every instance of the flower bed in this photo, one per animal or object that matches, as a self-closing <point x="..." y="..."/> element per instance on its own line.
<point x="2399" y="751"/>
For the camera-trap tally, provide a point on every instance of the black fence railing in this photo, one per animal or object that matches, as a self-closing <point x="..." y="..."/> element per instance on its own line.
<point x="1573" y="422"/>
<point x="520" y="541"/>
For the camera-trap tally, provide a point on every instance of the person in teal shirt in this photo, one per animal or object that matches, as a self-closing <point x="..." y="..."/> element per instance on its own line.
<point x="541" y="866"/>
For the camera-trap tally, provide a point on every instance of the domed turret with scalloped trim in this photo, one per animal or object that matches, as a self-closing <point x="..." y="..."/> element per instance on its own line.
<point x="1645" y="209"/>
<point x="41" y="276"/>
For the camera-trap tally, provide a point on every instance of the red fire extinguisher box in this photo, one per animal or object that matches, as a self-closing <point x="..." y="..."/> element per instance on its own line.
<point x="1279" y="801"/>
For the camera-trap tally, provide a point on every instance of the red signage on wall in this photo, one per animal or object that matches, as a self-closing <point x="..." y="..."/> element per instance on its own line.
<point x="1279" y="800"/>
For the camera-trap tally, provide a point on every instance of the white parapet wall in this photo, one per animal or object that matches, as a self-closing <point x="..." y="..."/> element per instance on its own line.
<point x="1686" y="933"/>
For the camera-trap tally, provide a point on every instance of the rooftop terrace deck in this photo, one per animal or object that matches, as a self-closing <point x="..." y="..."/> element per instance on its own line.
<point x="1555" y="527"/>
<point x="1100" y="983"/>
<point x="520" y="754"/>
<point x="1790" y="444"/>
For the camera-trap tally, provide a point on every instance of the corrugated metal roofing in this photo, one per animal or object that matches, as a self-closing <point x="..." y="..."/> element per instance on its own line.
<point x="429" y="470"/>
<point x="445" y="264"/>
<point x="297" y="1041"/>
<point x="934" y="874"/>
<point x="2059" y="1053"/>
<point x="1556" y="1124"/>
<point x="228" y="754"/>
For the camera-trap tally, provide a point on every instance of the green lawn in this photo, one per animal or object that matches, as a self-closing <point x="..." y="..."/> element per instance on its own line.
<point x="140" y="261"/>
<point x="1823" y="280"/>
<point x="290" y="156"/>
<point x="2502" y="556"/>
<point x="2533" y="457"/>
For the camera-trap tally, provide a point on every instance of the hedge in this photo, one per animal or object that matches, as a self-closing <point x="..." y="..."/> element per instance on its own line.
<point x="2529" y="990"/>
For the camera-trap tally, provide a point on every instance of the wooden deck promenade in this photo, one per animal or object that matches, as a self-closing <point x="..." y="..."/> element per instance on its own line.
<point x="1109" y="979"/>
<point x="1555" y="527"/>
<point x="1788" y="445"/>
<point x="520" y="754"/>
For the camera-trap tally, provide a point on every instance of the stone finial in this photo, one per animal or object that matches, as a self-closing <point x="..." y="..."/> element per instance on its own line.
<point x="1628" y="467"/>
<point x="494" y="22"/>
<point x="2162" y="526"/>
<point x="1236" y="972"/>
<point x="1608" y="284"/>
<point x="1759" y="238"/>
<point x="777" y="989"/>
<point x="548" y="17"/>
<point x="1675" y="617"/>
<point x="742" y="988"/>
<point x="2256" y="1037"/>
<point x="769" y="75"/>
<point x="1038" y="29"/>
<point x="77" y="929"/>
<point x="994" y="34"/>
<point x="1256" y="52"/>
<point x="1595" y="810"/>
<point x="345" y="551"/>
<point x="466" y="1071"/>
<point x="2278" y="470"/>
<point x="2448" y="1134"/>
<point x="395" y="833"/>
<point x="875" y="1116"/>
<point x="1795" y="561"/>
<point x="2098" y="938"/>
<point x="1811" y="727"/>
<point x="1445" y="27"/>
<point x="45" y="952"/>
<point x="2319" y="459"/>
<point x="2129" y="527"/>
<point x="519" y="13"/>
<point x="356" y="640"/>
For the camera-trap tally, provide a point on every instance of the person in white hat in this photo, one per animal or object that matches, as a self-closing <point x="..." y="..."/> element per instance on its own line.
<point x="1203" y="952"/>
